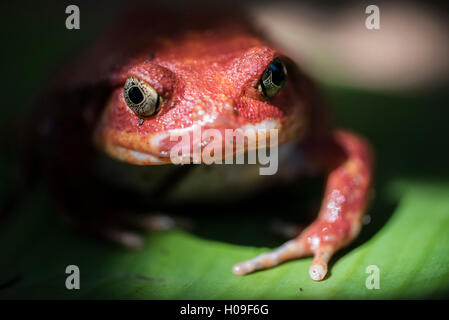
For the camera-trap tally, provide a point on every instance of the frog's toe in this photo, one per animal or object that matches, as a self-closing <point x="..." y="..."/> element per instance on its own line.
<point x="124" y="238"/>
<point x="156" y="222"/>
<point x="306" y="244"/>
<point x="289" y="250"/>
<point x="318" y="269"/>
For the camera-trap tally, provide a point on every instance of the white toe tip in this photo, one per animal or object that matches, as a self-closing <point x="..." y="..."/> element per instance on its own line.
<point x="237" y="270"/>
<point x="317" y="272"/>
<point x="241" y="268"/>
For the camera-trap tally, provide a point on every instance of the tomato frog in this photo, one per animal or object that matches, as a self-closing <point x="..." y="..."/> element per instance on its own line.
<point x="101" y="131"/>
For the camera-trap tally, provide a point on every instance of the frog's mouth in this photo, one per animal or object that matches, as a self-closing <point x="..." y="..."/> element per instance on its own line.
<point x="190" y="145"/>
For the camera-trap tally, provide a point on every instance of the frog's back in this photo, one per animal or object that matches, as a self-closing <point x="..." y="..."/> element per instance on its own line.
<point x="136" y="32"/>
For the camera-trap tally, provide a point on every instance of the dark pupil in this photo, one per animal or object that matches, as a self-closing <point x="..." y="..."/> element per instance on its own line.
<point x="277" y="72"/>
<point x="135" y="95"/>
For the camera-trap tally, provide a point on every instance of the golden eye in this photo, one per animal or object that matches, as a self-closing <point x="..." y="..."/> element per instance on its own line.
<point x="141" y="98"/>
<point x="273" y="78"/>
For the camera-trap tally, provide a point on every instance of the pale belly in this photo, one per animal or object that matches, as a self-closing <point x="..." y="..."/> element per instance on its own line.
<point x="204" y="183"/>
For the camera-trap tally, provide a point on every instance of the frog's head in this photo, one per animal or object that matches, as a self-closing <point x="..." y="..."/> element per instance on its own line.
<point x="207" y="79"/>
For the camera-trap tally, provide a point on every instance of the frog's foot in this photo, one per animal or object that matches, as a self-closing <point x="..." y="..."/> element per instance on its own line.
<point x="155" y="222"/>
<point x="106" y="229"/>
<point x="339" y="219"/>
<point x="144" y="222"/>
<point x="321" y="239"/>
<point x="124" y="238"/>
<point x="125" y="229"/>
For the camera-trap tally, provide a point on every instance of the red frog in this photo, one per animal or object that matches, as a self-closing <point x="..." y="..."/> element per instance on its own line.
<point x="103" y="130"/>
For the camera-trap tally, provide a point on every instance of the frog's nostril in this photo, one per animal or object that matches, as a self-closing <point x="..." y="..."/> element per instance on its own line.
<point x="230" y="107"/>
<point x="230" y="110"/>
<point x="235" y="110"/>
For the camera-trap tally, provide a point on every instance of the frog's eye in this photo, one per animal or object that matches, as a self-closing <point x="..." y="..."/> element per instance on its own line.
<point x="141" y="98"/>
<point x="273" y="78"/>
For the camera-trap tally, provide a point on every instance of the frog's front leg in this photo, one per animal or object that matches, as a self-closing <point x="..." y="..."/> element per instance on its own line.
<point x="339" y="219"/>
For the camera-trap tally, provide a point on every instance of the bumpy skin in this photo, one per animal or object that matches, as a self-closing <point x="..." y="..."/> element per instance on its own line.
<point x="206" y="71"/>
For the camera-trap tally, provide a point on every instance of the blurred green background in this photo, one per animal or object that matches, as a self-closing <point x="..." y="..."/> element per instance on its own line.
<point x="407" y="237"/>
